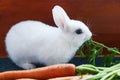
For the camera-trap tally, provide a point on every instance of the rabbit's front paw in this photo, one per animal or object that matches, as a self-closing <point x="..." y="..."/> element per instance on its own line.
<point x="27" y="66"/>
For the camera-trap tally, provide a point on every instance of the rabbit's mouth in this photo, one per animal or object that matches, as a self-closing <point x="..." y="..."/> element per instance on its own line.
<point x="88" y="37"/>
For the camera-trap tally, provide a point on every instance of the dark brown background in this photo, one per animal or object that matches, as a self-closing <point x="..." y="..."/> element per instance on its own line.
<point x="102" y="16"/>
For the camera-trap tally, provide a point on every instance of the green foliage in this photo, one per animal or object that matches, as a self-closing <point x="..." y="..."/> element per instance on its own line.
<point x="93" y="49"/>
<point x="100" y="73"/>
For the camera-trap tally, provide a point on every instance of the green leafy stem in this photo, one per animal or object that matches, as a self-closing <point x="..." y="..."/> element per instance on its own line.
<point x="99" y="73"/>
<point x="92" y="49"/>
<point x="115" y="50"/>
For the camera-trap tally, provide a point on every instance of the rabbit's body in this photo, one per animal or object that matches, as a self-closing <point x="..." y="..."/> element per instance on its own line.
<point x="24" y="38"/>
<point x="31" y="42"/>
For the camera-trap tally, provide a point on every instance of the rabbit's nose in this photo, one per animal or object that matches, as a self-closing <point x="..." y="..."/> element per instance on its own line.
<point x="88" y="36"/>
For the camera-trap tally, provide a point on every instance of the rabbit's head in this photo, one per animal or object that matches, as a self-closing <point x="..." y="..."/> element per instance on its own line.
<point x="75" y="31"/>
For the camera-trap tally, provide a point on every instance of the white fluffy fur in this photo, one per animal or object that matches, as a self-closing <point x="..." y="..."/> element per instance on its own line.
<point x="30" y="42"/>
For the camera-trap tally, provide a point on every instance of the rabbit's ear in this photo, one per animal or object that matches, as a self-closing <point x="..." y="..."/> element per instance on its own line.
<point x="60" y="17"/>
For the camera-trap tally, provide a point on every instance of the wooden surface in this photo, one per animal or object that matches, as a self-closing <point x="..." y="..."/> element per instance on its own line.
<point x="102" y="16"/>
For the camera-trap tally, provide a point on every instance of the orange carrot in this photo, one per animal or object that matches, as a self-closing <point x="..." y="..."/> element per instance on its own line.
<point x="26" y="79"/>
<point x="58" y="78"/>
<point x="82" y="77"/>
<point x="43" y="73"/>
<point x="67" y="78"/>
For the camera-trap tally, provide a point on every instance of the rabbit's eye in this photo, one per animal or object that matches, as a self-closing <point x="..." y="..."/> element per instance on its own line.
<point x="78" y="31"/>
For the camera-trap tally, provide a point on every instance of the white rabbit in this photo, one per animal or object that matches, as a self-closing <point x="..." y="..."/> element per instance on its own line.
<point x="30" y="42"/>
